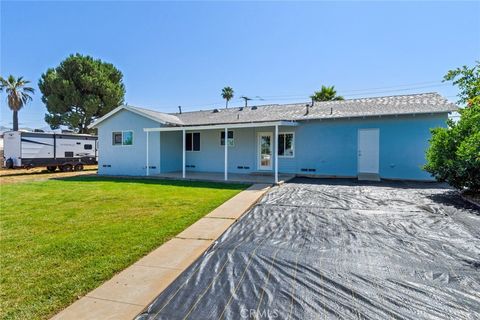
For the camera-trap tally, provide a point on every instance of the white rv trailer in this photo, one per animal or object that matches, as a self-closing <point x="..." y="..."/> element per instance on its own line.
<point x="63" y="150"/>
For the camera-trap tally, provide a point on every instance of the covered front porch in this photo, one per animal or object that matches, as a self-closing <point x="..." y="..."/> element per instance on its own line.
<point x="239" y="152"/>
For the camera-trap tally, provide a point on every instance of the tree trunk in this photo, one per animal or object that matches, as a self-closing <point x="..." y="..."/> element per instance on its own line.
<point x="226" y="104"/>
<point x="15" y="120"/>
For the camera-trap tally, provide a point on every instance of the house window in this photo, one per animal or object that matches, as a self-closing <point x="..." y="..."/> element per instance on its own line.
<point x="117" y="138"/>
<point x="120" y="138"/>
<point x="231" y="141"/>
<point x="87" y="147"/>
<point x="127" y="138"/>
<point x="192" y="141"/>
<point x="286" y="147"/>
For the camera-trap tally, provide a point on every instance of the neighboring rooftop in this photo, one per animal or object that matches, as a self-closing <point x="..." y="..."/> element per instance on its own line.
<point x="351" y="108"/>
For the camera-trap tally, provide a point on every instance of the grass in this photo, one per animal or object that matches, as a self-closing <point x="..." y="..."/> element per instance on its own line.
<point x="62" y="238"/>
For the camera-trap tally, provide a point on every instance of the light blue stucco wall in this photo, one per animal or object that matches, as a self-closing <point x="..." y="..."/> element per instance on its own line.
<point x="328" y="146"/>
<point x="126" y="160"/>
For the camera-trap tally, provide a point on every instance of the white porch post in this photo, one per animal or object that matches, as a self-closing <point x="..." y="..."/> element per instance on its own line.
<point x="159" y="151"/>
<point x="183" y="154"/>
<point x="276" y="153"/>
<point x="226" y="154"/>
<point x="147" y="164"/>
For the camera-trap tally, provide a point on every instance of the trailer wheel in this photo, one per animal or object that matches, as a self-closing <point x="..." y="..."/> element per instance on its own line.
<point x="66" y="168"/>
<point x="51" y="168"/>
<point x="9" y="163"/>
<point x="78" y="167"/>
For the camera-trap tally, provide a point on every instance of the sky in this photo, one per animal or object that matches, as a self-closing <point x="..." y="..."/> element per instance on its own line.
<point x="184" y="53"/>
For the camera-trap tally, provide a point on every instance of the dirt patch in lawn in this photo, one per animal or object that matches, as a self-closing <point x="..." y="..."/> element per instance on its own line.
<point x="8" y="176"/>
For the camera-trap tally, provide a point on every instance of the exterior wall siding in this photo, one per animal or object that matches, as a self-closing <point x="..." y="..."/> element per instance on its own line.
<point x="329" y="147"/>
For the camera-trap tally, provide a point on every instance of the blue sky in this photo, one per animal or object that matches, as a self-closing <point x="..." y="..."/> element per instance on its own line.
<point x="181" y="53"/>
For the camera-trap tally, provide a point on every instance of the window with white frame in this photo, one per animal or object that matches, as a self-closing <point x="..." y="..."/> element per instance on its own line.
<point x="230" y="141"/>
<point x="286" y="145"/>
<point x="122" y="138"/>
<point x="192" y="141"/>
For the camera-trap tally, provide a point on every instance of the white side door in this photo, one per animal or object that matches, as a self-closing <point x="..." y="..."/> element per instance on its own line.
<point x="265" y="156"/>
<point x="368" y="150"/>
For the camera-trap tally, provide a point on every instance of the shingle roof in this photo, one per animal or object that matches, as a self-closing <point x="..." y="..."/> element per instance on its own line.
<point x="161" y="116"/>
<point x="378" y="106"/>
<point x="364" y="107"/>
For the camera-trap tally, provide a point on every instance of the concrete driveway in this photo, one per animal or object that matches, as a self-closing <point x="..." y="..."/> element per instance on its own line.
<point x="327" y="249"/>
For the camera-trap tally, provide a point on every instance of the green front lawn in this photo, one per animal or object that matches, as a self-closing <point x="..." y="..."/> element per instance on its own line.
<point x="62" y="238"/>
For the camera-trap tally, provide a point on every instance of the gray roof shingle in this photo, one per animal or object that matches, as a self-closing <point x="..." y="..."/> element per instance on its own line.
<point x="364" y="107"/>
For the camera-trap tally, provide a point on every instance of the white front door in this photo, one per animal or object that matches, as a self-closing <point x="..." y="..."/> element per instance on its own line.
<point x="265" y="156"/>
<point x="368" y="150"/>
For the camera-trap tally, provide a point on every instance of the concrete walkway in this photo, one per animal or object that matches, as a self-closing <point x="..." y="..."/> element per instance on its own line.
<point x="130" y="291"/>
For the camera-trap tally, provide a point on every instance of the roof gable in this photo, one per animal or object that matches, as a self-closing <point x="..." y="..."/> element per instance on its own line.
<point x="160" y="117"/>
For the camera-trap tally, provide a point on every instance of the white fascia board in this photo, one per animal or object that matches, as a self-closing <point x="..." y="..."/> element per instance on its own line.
<point x="117" y="109"/>
<point x="223" y="126"/>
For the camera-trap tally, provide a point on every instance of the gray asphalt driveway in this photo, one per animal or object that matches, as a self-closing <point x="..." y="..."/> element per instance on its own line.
<point x="327" y="249"/>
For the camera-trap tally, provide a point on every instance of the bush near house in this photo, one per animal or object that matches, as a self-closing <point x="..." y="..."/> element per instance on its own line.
<point x="454" y="153"/>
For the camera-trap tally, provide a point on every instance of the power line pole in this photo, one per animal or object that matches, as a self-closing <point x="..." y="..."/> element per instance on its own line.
<point x="246" y="100"/>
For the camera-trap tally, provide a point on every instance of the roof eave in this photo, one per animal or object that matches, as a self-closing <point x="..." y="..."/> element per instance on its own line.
<point x="134" y="110"/>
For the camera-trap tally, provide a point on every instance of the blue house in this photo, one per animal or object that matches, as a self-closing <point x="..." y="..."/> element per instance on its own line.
<point x="371" y="138"/>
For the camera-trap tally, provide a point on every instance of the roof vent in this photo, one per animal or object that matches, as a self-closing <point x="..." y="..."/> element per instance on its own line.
<point x="240" y="109"/>
<point x="254" y="108"/>
<point x="215" y="111"/>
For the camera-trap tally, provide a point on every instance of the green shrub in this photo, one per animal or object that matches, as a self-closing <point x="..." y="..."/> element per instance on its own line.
<point x="454" y="152"/>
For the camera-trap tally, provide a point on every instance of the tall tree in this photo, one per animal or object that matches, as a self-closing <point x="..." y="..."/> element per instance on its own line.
<point x="18" y="94"/>
<point x="80" y="90"/>
<point x="227" y="94"/>
<point x="326" y="94"/>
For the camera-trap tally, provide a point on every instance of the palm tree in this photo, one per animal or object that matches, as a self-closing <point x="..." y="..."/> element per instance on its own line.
<point x="227" y="94"/>
<point x="326" y="94"/>
<point x="18" y="94"/>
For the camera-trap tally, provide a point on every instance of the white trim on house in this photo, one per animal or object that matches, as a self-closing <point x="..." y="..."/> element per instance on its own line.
<point x="229" y="126"/>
